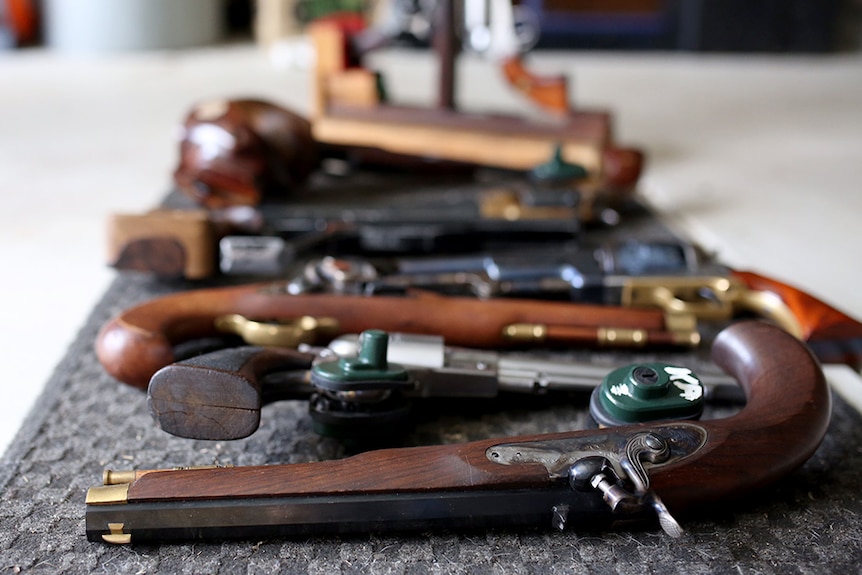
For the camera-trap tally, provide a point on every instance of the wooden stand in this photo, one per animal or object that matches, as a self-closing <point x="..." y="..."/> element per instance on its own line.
<point x="349" y="110"/>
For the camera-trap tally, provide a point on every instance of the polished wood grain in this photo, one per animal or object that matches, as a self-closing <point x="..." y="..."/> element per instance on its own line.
<point x="139" y="341"/>
<point x="783" y="422"/>
<point x="218" y="396"/>
<point x="836" y="336"/>
<point x="232" y="152"/>
<point x="785" y="418"/>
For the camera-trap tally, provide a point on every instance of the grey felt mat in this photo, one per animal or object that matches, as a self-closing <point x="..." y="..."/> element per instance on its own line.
<point x="85" y="422"/>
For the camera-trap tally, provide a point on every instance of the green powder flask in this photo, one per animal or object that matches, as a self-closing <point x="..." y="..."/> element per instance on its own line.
<point x="644" y="392"/>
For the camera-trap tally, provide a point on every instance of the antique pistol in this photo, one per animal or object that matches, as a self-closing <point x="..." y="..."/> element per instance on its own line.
<point x="647" y="311"/>
<point x="599" y="478"/>
<point x="359" y="388"/>
<point x="389" y="216"/>
<point x="516" y="267"/>
<point x="674" y="276"/>
<point x="144" y="338"/>
<point x="580" y="272"/>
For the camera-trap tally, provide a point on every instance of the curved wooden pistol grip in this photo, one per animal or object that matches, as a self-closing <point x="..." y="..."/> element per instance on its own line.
<point x="835" y="336"/>
<point x="218" y="396"/>
<point x="549" y="92"/>
<point x="141" y="340"/>
<point x="785" y="419"/>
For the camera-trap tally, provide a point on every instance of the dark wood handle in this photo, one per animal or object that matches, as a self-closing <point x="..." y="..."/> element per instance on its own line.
<point x="784" y="420"/>
<point x="140" y="341"/>
<point x="218" y="396"/>
<point x="270" y="148"/>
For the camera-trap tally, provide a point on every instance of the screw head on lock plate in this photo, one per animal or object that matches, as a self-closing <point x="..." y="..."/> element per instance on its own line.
<point x="646" y="392"/>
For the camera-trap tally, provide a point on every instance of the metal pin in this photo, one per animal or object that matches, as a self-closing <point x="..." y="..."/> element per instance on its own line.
<point x="560" y="517"/>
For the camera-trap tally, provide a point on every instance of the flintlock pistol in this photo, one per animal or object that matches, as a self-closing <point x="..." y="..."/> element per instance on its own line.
<point x="599" y="478"/>
<point x="142" y="339"/>
<point x="669" y="275"/>
<point x="650" y="311"/>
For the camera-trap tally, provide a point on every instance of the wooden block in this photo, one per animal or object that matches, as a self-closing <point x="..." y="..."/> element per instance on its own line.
<point x="167" y="243"/>
<point x="329" y="43"/>
<point x="356" y="87"/>
<point x="488" y="148"/>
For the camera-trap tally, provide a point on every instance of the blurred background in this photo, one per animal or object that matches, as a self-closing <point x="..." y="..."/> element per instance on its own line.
<point x="696" y="25"/>
<point x="742" y="106"/>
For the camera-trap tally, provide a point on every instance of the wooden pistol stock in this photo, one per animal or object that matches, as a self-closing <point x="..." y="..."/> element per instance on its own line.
<point x="595" y="477"/>
<point x="141" y="340"/>
<point x="834" y="336"/>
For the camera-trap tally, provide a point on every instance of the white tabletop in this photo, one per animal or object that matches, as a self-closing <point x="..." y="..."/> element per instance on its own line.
<point x="759" y="158"/>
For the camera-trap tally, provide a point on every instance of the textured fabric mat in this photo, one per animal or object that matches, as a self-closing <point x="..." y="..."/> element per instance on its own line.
<point x="84" y="422"/>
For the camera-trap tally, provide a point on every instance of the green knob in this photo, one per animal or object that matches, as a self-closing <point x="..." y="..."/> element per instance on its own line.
<point x="647" y="392"/>
<point x="373" y="345"/>
<point x="368" y="370"/>
<point x="558" y="169"/>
